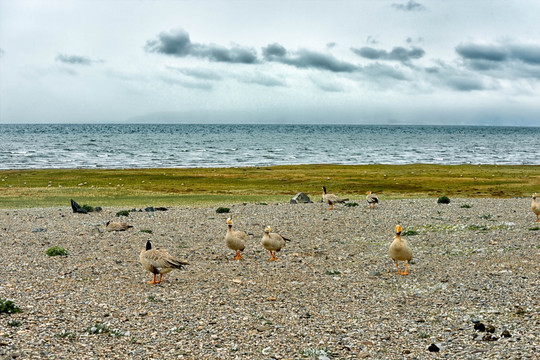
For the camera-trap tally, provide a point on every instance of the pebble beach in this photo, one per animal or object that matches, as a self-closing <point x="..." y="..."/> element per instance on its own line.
<point x="333" y="292"/>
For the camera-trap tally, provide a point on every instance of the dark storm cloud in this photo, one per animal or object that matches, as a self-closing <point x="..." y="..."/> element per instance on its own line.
<point x="482" y="52"/>
<point x="178" y="43"/>
<point x="527" y="53"/>
<point x="75" y="59"/>
<point x="274" y="51"/>
<point x="397" y="54"/>
<point x="502" y="61"/>
<point x="409" y="6"/>
<point x="306" y="59"/>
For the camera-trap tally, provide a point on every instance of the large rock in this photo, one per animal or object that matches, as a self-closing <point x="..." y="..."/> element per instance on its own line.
<point x="77" y="208"/>
<point x="301" y="198"/>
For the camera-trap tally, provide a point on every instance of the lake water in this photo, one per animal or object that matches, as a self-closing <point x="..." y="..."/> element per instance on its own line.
<point x="183" y="145"/>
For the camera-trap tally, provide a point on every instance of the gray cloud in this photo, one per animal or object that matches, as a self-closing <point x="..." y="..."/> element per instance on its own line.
<point x="306" y="59"/>
<point x="187" y="84"/>
<point x="397" y="54"/>
<point x="503" y="61"/>
<point x="527" y="53"/>
<point x="381" y="70"/>
<point x="371" y="40"/>
<point x="454" y="78"/>
<point x="75" y="59"/>
<point x="409" y="6"/>
<point x="482" y="52"/>
<point x="261" y="79"/>
<point x="178" y="43"/>
<point x="197" y="73"/>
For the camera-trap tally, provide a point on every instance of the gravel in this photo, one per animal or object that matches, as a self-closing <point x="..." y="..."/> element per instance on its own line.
<point x="332" y="293"/>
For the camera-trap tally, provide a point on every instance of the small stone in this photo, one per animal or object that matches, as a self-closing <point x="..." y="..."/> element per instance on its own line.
<point x="506" y="334"/>
<point x="301" y="198"/>
<point x="490" y="329"/>
<point x="433" y="348"/>
<point x="489" y="337"/>
<point x="479" y="327"/>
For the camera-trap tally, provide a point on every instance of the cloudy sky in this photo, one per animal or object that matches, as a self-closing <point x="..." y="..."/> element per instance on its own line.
<point x="258" y="61"/>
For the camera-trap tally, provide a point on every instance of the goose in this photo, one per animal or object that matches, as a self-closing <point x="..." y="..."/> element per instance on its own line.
<point x="117" y="226"/>
<point x="272" y="242"/>
<point x="235" y="240"/>
<point x="371" y="199"/>
<point x="535" y="207"/>
<point x="400" y="250"/>
<point x="159" y="261"/>
<point x="331" y="199"/>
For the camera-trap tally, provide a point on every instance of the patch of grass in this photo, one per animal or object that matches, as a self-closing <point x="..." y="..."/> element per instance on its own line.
<point x="332" y="272"/>
<point x="122" y="213"/>
<point x="536" y="228"/>
<point x="212" y="186"/>
<point x="152" y="298"/>
<point x="475" y="227"/>
<point x="351" y="204"/>
<point x="98" y="329"/>
<point x="486" y="216"/>
<point x="14" y="323"/>
<point x="466" y="206"/>
<point x="64" y="335"/>
<point x="261" y="317"/>
<point x="88" y="208"/>
<point x="147" y="231"/>
<point x="410" y="233"/>
<point x="423" y="335"/>
<point x="443" y="200"/>
<point x="222" y="210"/>
<point x="261" y="203"/>
<point x="56" y="251"/>
<point x="8" y="307"/>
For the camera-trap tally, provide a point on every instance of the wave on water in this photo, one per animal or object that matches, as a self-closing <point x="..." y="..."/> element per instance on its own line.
<point x="184" y="145"/>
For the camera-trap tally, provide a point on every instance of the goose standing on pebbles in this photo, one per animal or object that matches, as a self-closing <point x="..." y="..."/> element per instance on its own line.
<point x="535" y="207"/>
<point x="400" y="251"/>
<point x="117" y="226"/>
<point x="159" y="261"/>
<point x="371" y="199"/>
<point x="272" y="242"/>
<point x="331" y="199"/>
<point x="235" y="240"/>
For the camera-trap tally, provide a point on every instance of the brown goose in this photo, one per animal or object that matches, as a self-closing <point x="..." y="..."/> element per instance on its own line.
<point x="235" y="240"/>
<point x="159" y="261"/>
<point x="371" y="199"/>
<point x="400" y="251"/>
<point x="117" y="226"/>
<point x="272" y="242"/>
<point x="535" y="207"/>
<point x="331" y="199"/>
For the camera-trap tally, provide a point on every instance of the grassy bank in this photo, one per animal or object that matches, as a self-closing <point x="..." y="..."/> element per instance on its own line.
<point x="199" y="186"/>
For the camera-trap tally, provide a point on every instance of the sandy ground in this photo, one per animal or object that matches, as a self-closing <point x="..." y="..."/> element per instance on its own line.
<point x="333" y="292"/>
